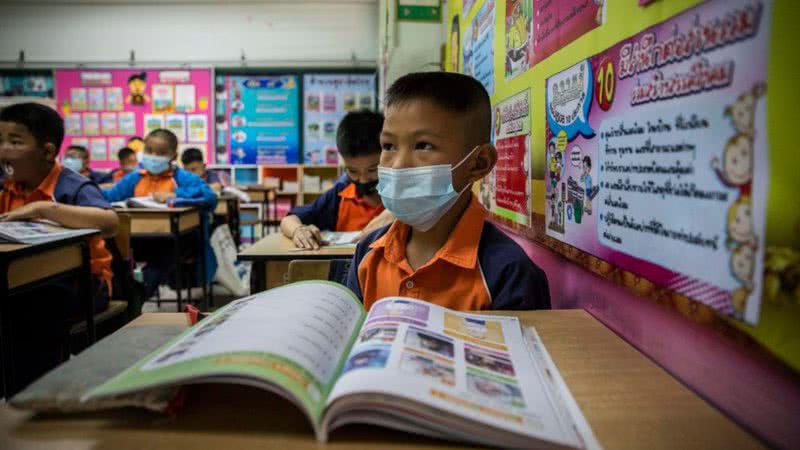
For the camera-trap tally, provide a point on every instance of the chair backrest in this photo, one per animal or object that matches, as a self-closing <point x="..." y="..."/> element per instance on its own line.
<point x="314" y="269"/>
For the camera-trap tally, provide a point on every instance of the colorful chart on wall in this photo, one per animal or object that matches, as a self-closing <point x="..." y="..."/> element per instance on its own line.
<point x="557" y="23"/>
<point x="260" y="119"/>
<point x="657" y="158"/>
<point x="478" y="46"/>
<point x="104" y="108"/>
<point x="25" y="85"/>
<point x="328" y="97"/>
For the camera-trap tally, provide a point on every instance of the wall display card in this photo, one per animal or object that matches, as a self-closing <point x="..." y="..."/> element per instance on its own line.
<point x="507" y="192"/>
<point x="519" y="45"/>
<point x="80" y="141"/>
<point x="114" y="99"/>
<point x="350" y="91"/>
<point x="184" y="98"/>
<point x="108" y="123"/>
<point x="98" y="149"/>
<point x="153" y="122"/>
<point x="557" y="23"/>
<point x="72" y="124"/>
<point x="13" y="85"/>
<point x="91" y="124"/>
<point x="123" y="101"/>
<point x="114" y="145"/>
<point x="329" y="101"/>
<point x="263" y="118"/>
<point x="177" y="124"/>
<point x="657" y="154"/>
<point x="97" y="99"/>
<point x="478" y="46"/>
<point x="197" y="127"/>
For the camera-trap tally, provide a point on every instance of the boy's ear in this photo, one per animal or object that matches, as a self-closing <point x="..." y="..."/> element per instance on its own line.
<point x="50" y="152"/>
<point x="485" y="161"/>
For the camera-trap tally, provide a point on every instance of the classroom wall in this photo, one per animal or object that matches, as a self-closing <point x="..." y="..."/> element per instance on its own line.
<point x="276" y="33"/>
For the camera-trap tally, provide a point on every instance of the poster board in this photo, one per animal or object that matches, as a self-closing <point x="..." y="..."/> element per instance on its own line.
<point x="103" y="108"/>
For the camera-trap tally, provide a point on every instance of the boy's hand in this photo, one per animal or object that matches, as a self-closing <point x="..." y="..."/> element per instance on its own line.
<point x="307" y="236"/>
<point x="162" y="197"/>
<point x="30" y="211"/>
<point x="381" y="220"/>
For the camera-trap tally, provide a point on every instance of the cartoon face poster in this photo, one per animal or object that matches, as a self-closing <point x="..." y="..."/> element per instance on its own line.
<point x="518" y="36"/>
<point x="478" y="46"/>
<point x="657" y="157"/>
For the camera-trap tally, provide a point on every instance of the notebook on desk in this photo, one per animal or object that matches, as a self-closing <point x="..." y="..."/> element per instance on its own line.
<point x="37" y="232"/>
<point x="140" y="202"/>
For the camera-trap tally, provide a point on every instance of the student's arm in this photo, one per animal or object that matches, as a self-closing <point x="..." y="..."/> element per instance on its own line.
<point x="303" y="236"/>
<point x="524" y="288"/>
<point x="191" y="186"/>
<point x="379" y="221"/>
<point x="69" y="216"/>
<point x="122" y="190"/>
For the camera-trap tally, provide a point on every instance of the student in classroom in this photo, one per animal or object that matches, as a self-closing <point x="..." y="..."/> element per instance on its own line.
<point x="162" y="180"/>
<point x="435" y="144"/>
<point x="353" y="204"/>
<point x="127" y="164"/>
<point x="38" y="187"/>
<point x="77" y="159"/>
<point x="193" y="161"/>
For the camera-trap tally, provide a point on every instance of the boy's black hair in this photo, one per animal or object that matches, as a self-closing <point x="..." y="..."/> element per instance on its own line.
<point x="359" y="134"/>
<point x="167" y="135"/>
<point x="138" y="76"/>
<point x="190" y="155"/>
<point x="452" y="92"/>
<point x="79" y="148"/>
<point x="134" y="138"/>
<point x="125" y="152"/>
<point x="42" y="122"/>
<point x="587" y="160"/>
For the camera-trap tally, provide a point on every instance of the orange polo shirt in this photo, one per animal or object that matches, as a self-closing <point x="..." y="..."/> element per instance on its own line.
<point x="149" y="183"/>
<point x="452" y="278"/>
<point x="355" y="213"/>
<point x="14" y="197"/>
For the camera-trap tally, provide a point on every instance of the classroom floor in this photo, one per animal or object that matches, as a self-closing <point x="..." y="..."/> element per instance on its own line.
<point x="221" y="298"/>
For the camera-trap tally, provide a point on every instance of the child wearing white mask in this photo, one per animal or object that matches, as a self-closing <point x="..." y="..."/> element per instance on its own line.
<point x="435" y="145"/>
<point x="162" y="180"/>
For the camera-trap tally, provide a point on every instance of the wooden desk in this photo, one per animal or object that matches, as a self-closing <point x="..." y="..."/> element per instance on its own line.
<point x="24" y="267"/>
<point x="277" y="247"/>
<point x="228" y="209"/>
<point x="629" y="402"/>
<point x="170" y="223"/>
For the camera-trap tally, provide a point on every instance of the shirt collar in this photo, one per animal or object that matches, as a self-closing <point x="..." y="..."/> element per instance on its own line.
<point x="460" y="249"/>
<point x="47" y="187"/>
<point x="166" y="174"/>
<point x="349" y="192"/>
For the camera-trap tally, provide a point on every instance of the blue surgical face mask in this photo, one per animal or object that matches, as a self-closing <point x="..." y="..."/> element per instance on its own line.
<point x="155" y="164"/>
<point x="419" y="196"/>
<point x="74" y="164"/>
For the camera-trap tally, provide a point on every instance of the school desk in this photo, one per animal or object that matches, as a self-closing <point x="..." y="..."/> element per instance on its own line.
<point x="169" y="223"/>
<point x="228" y="211"/>
<point x="25" y="267"/>
<point x="629" y="402"/>
<point x="275" y="248"/>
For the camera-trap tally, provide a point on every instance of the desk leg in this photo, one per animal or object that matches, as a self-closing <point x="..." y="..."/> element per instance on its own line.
<point x="6" y="343"/>
<point x="258" y="277"/>
<point x="203" y="268"/>
<point x="86" y="291"/>
<point x="176" y="237"/>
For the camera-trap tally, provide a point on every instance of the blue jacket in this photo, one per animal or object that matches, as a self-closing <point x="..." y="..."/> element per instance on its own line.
<point x="190" y="191"/>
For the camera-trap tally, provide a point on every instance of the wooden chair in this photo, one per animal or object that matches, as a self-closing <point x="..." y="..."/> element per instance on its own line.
<point x="314" y="269"/>
<point x="126" y="302"/>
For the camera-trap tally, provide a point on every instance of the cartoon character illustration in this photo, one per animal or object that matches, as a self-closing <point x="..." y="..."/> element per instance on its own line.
<point x="555" y="164"/>
<point x="586" y="177"/>
<point x="743" y="264"/>
<point x="517" y="39"/>
<point x="455" y="45"/>
<point x="742" y="112"/>
<point x="740" y="222"/>
<point x="137" y="87"/>
<point x="599" y="16"/>
<point x="736" y="169"/>
<point x="561" y="202"/>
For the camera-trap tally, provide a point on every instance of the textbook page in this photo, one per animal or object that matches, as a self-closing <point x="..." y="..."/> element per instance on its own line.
<point x="295" y="336"/>
<point x="475" y="366"/>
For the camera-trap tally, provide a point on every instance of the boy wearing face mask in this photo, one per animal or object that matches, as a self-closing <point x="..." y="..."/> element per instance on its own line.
<point x="77" y="159"/>
<point x="441" y="248"/>
<point x="353" y="203"/>
<point x="127" y="164"/>
<point x="160" y="179"/>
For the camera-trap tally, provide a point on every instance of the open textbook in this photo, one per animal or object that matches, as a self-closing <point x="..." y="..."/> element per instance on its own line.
<point x="339" y="238"/>
<point x="37" y="232"/>
<point x="140" y="202"/>
<point x="407" y="364"/>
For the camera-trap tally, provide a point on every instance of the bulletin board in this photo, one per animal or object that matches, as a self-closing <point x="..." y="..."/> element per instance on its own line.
<point x="258" y="119"/>
<point x="103" y="108"/>
<point x="327" y="97"/>
<point x="635" y="139"/>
